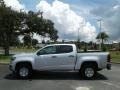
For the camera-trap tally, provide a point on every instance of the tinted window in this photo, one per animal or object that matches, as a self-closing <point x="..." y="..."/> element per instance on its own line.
<point x="47" y="50"/>
<point x="64" y="49"/>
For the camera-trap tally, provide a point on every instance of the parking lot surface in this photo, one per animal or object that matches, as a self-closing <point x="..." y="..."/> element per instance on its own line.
<point x="105" y="80"/>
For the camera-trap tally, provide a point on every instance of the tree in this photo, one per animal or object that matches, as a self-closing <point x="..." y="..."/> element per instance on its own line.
<point x="34" y="42"/>
<point x="10" y="22"/>
<point x="43" y="41"/>
<point x="119" y="46"/>
<point x="13" y="23"/>
<point x="2" y="3"/>
<point x="27" y="40"/>
<point x="53" y="35"/>
<point x="78" y="43"/>
<point x="43" y="27"/>
<point x="91" y="45"/>
<point x="103" y="36"/>
<point x="15" y="42"/>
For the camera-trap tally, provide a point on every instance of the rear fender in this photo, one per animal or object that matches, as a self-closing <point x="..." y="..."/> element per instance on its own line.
<point x="81" y="60"/>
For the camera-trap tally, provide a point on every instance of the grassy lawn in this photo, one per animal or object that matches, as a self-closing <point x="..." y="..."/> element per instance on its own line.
<point x="115" y="55"/>
<point x="4" y="59"/>
<point x="24" y="50"/>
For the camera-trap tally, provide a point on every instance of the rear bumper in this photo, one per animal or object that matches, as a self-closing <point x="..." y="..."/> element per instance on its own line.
<point x="108" y="66"/>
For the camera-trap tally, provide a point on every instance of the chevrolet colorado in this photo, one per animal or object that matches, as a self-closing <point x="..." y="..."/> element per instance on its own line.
<point x="60" y="57"/>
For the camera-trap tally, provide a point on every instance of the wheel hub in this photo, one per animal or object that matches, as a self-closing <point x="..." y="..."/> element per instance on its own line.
<point x="23" y="72"/>
<point x="89" y="72"/>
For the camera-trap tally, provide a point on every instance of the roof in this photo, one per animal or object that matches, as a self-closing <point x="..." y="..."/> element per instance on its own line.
<point x="59" y="44"/>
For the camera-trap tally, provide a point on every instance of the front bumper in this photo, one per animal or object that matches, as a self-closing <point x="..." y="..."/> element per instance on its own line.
<point x="108" y="66"/>
<point x="11" y="67"/>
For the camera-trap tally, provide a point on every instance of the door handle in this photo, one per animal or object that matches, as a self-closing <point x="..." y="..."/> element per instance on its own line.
<point x="71" y="56"/>
<point x="54" y="56"/>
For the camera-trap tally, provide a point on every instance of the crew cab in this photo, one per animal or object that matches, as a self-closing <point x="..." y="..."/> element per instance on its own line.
<point x="60" y="57"/>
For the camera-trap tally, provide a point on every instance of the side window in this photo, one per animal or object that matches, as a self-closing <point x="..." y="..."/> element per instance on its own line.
<point x="64" y="49"/>
<point x="47" y="50"/>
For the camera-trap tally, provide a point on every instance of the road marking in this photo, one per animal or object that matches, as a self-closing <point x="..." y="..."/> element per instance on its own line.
<point x="110" y="84"/>
<point x="82" y="88"/>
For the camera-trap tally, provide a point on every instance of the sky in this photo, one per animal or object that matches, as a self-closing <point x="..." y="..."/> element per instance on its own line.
<point x="69" y="16"/>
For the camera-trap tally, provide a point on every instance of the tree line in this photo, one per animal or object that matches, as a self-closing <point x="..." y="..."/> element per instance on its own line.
<point x="14" y="23"/>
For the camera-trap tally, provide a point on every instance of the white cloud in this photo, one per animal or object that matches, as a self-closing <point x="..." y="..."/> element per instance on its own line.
<point x="14" y="4"/>
<point x="116" y="7"/>
<point x="67" y="21"/>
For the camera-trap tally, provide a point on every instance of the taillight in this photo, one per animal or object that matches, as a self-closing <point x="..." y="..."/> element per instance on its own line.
<point x="108" y="58"/>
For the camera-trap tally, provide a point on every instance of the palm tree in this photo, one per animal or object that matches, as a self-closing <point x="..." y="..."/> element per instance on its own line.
<point x="103" y="36"/>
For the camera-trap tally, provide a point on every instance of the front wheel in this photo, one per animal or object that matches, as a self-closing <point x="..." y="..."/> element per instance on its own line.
<point x="24" y="71"/>
<point x="88" y="71"/>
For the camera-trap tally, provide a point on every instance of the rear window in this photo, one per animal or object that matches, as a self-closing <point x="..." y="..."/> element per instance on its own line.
<point x="64" y="49"/>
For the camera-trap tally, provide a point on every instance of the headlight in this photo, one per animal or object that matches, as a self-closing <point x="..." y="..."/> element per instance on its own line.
<point x="13" y="58"/>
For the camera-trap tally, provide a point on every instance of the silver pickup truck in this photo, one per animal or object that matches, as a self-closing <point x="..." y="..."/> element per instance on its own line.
<point x="60" y="57"/>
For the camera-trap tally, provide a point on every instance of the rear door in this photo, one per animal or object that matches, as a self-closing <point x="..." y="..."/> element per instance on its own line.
<point x="66" y="57"/>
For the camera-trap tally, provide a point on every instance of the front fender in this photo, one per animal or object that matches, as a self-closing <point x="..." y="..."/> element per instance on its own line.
<point x="24" y="59"/>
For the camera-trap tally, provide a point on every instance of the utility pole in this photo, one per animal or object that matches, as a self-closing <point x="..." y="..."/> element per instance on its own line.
<point x="78" y="39"/>
<point x="78" y="34"/>
<point x="99" y="20"/>
<point x="81" y="25"/>
<point x="31" y="35"/>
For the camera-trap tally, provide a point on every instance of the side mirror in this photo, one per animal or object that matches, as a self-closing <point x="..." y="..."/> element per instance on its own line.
<point x="42" y="52"/>
<point x="38" y="53"/>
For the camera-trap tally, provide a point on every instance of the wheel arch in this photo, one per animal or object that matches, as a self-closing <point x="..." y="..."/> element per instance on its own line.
<point x="90" y="63"/>
<point x="23" y="63"/>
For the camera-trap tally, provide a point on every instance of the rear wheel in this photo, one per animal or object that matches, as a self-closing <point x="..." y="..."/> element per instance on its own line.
<point x="24" y="71"/>
<point x="88" y="71"/>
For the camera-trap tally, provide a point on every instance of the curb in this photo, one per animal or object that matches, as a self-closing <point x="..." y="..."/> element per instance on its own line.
<point x="115" y="62"/>
<point x="3" y="63"/>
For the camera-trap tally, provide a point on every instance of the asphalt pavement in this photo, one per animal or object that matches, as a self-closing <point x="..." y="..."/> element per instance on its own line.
<point x="105" y="80"/>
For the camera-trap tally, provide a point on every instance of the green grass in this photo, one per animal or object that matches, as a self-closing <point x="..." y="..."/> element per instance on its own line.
<point x="24" y="50"/>
<point x="4" y="59"/>
<point x="115" y="55"/>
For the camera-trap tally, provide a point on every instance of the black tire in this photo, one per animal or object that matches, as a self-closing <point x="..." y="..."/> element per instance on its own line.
<point x="22" y="68"/>
<point x="88" y="71"/>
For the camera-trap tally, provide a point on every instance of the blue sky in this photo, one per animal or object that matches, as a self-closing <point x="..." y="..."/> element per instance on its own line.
<point x="30" y="4"/>
<point x="91" y="10"/>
